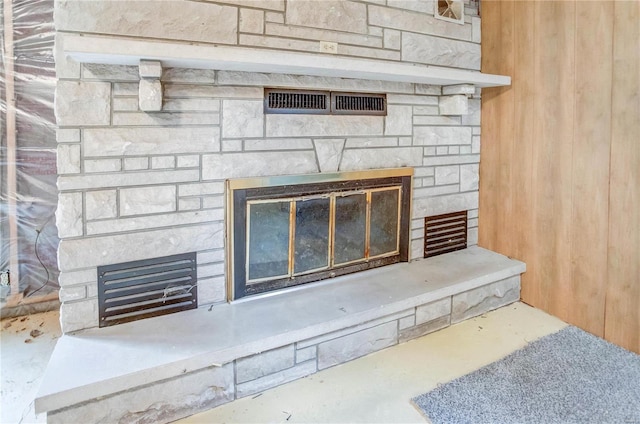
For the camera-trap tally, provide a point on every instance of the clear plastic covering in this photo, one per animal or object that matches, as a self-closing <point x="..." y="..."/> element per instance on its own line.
<point x="27" y="128"/>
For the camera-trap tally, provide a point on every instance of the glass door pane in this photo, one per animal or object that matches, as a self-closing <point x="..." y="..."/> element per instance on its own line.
<point x="383" y="236"/>
<point x="350" y="228"/>
<point x="268" y="247"/>
<point x="311" y="251"/>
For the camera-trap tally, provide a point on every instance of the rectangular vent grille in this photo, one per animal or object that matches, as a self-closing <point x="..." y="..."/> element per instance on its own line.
<point x="323" y="102"/>
<point x="359" y="104"/>
<point x="143" y="289"/>
<point x="445" y="233"/>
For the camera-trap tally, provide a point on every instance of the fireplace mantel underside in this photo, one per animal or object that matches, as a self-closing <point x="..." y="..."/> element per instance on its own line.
<point x="103" y="50"/>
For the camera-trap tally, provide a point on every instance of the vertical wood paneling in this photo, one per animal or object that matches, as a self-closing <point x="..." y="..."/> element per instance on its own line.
<point x="622" y="324"/>
<point x="494" y="109"/>
<point x="524" y="80"/>
<point x="554" y="103"/>
<point x="568" y="200"/>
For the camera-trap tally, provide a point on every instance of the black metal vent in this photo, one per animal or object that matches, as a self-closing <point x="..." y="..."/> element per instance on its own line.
<point x="142" y="289"/>
<point x="445" y="233"/>
<point x="358" y="104"/>
<point x="323" y="102"/>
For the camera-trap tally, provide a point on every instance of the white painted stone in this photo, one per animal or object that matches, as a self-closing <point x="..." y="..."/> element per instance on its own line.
<point x="306" y="354"/>
<point x="472" y="236"/>
<point x="439" y="51"/>
<point x="213" y="91"/>
<point x="424" y="6"/>
<point x="232" y="145"/>
<point x="308" y="81"/>
<point x="155" y="118"/>
<point x="445" y="204"/>
<point x="329" y="153"/>
<point x="125" y="89"/>
<point x="467" y="89"/>
<point x="272" y="380"/>
<point x="73" y="278"/>
<point x="94" y="181"/>
<point x="211" y="270"/>
<point x="150" y="222"/>
<point x="163" y="162"/>
<point x="242" y="118"/>
<point x="65" y="66"/>
<point x="437" y="136"/>
<point x="99" y="71"/>
<point x="200" y="189"/>
<point x="147" y="200"/>
<point x="191" y="105"/>
<point x="69" y="294"/>
<point x="407" y="20"/>
<point x="125" y="104"/>
<point x="440" y="150"/>
<point x="446" y="159"/>
<point x="431" y="90"/>
<point x="454" y="105"/>
<point x="95" y="251"/>
<point x="189" y="204"/>
<point x="82" y="103"/>
<point x="435" y="191"/>
<point x="323" y="125"/>
<point x="411" y="99"/>
<point x="475" y="144"/>
<point x="371" y="142"/>
<point x="324" y="35"/>
<point x="264" y="363"/>
<point x="252" y="20"/>
<point x="68" y="159"/>
<point x="469" y="177"/>
<point x="406" y="322"/>
<point x="329" y="14"/>
<point x="343" y="349"/>
<point x="277" y="43"/>
<point x="238" y="165"/>
<point x="150" y="69"/>
<point x="405" y="141"/>
<point x="67" y="135"/>
<point x="274" y="17"/>
<point x="476" y="29"/>
<point x="176" y="20"/>
<point x="189" y="75"/>
<point x="150" y="95"/>
<point x="395" y="157"/>
<point x="102" y="165"/>
<point x="188" y="161"/>
<point x="150" y="141"/>
<point x="78" y="315"/>
<point x="424" y="329"/>
<point x="209" y="202"/>
<point x="211" y="290"/>
<point x="278" y="144"/>
<point x="69" y="215"/>
<point x="447" y="175"/>
<point x="368" y="52"/>
<point x="426" y="110"/>
<point x="436" y="120"/>
<point x="454" y="150"/>
<point x="164" y="402"/>
<point x="136" y="164"/>
<point x="433" y="310"/>
<point x="101" y="204"/>
<point x="473" y="115"/>
<point x="486" y="298"/>
<point x="398" y="120"/>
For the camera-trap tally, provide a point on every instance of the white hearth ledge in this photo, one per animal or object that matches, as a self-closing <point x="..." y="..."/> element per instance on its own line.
<point x="103" y="361"/>
<point x="127" y="51"/>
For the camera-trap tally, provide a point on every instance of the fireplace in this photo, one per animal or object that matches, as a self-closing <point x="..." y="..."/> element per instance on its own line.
<point x="291" y="230"/>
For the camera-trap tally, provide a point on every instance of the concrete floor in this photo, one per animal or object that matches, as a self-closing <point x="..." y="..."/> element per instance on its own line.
<point x="376" y="388"/>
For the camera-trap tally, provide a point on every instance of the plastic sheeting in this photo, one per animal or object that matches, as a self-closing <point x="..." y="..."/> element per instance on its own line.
<point x="35" y="239"/>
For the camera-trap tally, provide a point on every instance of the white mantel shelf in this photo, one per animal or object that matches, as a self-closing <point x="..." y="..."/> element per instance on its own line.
<point x="127" y="51"/>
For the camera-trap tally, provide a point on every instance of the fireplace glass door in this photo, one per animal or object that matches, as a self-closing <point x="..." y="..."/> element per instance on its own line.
<point x="294" y="234"/>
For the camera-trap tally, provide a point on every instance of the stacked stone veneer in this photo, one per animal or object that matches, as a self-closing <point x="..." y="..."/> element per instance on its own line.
<point x="189" y="393"/>
<point x="136" y="185"/>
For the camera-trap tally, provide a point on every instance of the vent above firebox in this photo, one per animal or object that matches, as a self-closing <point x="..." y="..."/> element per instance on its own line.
<point x="323" y="102"/>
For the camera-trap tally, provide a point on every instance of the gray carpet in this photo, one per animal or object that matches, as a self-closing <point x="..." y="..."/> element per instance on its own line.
<point x="567" y="377"/>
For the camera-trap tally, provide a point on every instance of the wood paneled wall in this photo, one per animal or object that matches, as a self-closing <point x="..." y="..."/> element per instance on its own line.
<point x="560" y="157"/>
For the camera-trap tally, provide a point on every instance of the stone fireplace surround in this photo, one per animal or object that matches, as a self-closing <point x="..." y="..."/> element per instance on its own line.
<point x="153" y="180"/>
